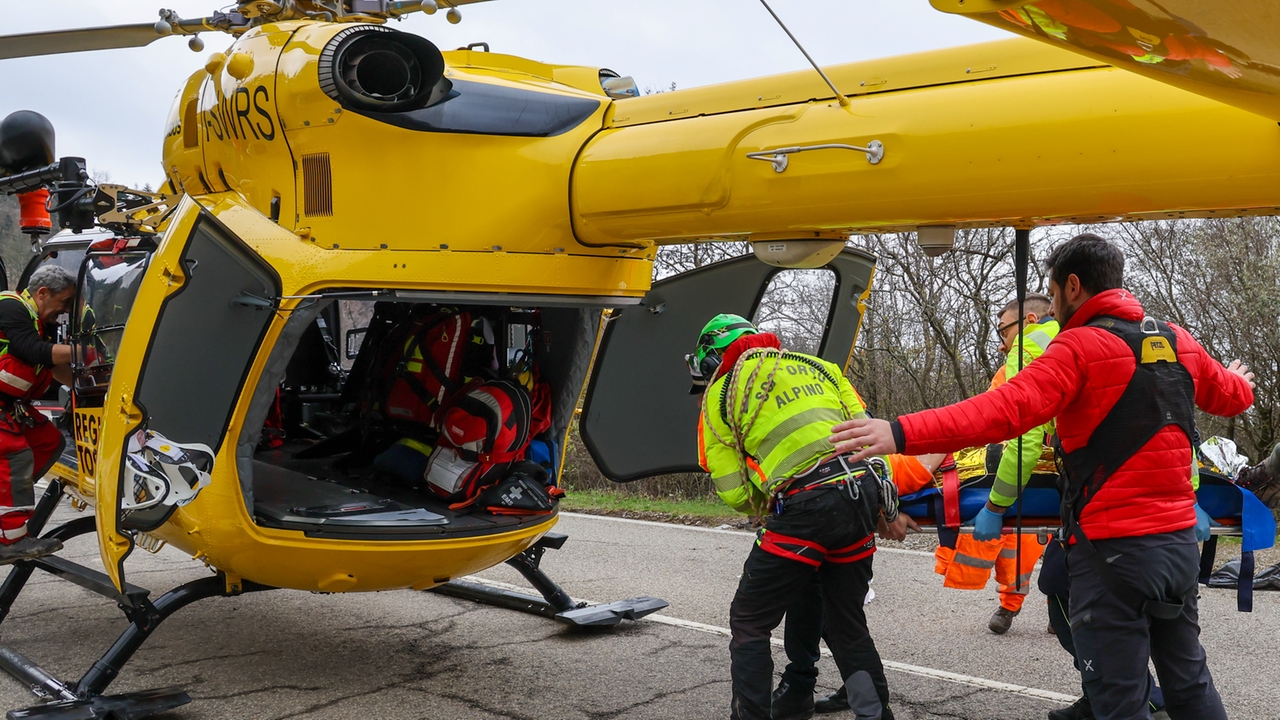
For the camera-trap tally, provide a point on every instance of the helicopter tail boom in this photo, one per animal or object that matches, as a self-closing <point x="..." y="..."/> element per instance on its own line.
<point x="958" y="146"/>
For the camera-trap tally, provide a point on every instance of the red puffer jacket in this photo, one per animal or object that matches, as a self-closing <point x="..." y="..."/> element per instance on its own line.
<point x="1077" y="380"/>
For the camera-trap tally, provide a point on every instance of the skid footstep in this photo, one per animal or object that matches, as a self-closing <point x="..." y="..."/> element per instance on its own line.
<point x="612" y="613"/>
<point x="129" y="706"/>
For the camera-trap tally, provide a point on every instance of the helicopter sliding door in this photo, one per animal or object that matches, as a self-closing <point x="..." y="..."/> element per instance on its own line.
<point x="638" y="419"/>
<point x="181" y="363"/>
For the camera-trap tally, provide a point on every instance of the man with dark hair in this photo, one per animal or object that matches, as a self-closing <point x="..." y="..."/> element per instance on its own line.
<point x="29" y="443"/>
<point x="1123" y="388"/>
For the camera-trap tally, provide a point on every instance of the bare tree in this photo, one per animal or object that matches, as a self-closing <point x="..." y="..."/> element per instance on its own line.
<point x="1219" y="279"/>
<point x="928" y="335"/>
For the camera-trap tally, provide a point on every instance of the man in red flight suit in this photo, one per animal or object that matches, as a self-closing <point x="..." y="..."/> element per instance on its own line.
<point x="29" y="363"/>
<point x="1122" y="388"/>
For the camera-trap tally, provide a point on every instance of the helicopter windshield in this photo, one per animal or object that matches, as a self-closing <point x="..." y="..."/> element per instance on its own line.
<point x="108" y="285"/>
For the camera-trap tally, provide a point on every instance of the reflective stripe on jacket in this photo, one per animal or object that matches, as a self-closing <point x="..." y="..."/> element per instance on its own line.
<point x="968" y="566"/>
<point x="791" y="405"/>
<point x="1004" y="491"/>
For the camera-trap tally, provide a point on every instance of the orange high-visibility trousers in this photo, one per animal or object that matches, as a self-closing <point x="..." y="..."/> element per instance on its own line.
<point x="968" y="566"/>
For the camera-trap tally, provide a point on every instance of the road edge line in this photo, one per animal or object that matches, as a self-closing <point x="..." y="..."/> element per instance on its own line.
<point x="917" y="670"/>
<point x="721" y="531"/>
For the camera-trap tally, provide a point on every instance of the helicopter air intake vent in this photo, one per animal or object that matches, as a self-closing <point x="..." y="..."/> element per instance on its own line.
<point x="317" y="185"/>
<point x="376" y="69"/>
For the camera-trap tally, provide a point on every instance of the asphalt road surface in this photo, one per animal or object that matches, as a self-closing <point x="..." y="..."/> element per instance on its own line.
<point x="405" y="654"/>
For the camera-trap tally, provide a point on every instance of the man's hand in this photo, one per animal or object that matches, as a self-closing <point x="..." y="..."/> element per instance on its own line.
<point x="61" y="355"/>
<point x="897" y="530"/>
<point x="1203" y="530"/>
<point x="1237" y="368"/>
<point x="62" y="373"/>
<point x="988" y="524"/>
<point x="864" y="438"/>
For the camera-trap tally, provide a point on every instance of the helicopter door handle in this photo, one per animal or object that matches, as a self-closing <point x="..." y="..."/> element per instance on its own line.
<point x="779" y="157"/>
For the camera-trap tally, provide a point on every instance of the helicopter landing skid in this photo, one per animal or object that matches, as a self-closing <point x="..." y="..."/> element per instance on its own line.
<point x="125" y="707"/>
<point x="554" y="603"/>
<point x="84" y="700"/>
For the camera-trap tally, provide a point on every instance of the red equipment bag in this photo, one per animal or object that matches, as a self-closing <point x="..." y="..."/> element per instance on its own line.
<point x="426" y="365"/>
<point x="483" y="429"/>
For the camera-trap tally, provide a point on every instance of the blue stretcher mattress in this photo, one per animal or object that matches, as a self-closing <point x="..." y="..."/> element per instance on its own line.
<point x="1224" y="501"/>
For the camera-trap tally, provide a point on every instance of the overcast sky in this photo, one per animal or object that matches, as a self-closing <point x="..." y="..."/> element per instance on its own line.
<point x="110" y="106"/>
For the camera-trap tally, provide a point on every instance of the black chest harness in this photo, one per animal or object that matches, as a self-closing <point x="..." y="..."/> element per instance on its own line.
<point x="1160" y="393"/>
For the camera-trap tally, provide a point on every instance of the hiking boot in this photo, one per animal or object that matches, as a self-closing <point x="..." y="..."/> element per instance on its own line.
<point x="1002" y="620"/>
<point x="835" y="702"/>
<point x="790" y="703"/>
<point x="1263" y="479"/>
<point x="28" y="548"/>
<point x="1080" y="710"/>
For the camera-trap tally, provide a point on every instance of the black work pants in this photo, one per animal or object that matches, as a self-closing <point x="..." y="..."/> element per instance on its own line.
<point x="1054" y="566"/>
<point x="800" y="638"/>
<point x="1113" y="640"/>
<point x="771" y="584"/>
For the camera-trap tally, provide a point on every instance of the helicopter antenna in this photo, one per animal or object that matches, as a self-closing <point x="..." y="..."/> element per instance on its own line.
<point x="840" y="98"/>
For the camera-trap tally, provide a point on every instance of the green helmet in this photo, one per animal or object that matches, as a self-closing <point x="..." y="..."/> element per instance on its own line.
<point x="718" y="334"/>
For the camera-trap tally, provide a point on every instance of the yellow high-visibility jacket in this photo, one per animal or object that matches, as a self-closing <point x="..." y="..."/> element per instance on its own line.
<point x="783" y="406"/>
<point x="1031" y="344"/>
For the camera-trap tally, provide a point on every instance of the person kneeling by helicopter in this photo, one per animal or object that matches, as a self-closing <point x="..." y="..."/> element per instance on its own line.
<point x="29" y="442"/>
<point x="763" y="437"/>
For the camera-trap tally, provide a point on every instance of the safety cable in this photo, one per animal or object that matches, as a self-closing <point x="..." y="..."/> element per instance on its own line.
<point x="1021" y="258"/>
<point x="840" y="98"/>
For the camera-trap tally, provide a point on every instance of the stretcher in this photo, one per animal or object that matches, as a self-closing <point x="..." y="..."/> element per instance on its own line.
<point x="962" y="491"/>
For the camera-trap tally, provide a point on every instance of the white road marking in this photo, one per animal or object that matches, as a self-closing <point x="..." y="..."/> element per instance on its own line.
<point x="917" y="670"/>
<point x="695" y="528"/>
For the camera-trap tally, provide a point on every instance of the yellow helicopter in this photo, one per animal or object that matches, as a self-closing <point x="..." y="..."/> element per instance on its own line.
<point x="327" y="176"/>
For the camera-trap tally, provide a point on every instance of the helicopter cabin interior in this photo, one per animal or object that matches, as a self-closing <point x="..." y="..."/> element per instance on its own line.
<point x="340" y="433"/>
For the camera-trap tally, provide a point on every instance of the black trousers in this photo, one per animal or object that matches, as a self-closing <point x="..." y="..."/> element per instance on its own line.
<point x="771" y="584"/>
<point x="1113" y="641"/>
<point x="800" y="638"/>
<point x="1055" y="583"/>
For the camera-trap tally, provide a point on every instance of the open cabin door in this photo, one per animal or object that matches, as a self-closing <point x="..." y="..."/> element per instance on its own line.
<point x="182" y="360"/>
<point x="639" y="419"/>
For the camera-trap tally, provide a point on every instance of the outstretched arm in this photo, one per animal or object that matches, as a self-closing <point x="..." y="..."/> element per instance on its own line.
<point x="1032" y="398"/>
<point x="1223" y="391"/>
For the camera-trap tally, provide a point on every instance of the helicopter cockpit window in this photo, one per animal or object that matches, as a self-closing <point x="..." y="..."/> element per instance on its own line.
<point x="484" y="109"/>
<point x="108" y="286"/>
<point x="796" y="306"/>
<point x="68" y="259"/>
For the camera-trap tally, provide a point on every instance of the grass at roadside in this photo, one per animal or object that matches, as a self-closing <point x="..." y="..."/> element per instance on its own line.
<point x="616" y="503"/>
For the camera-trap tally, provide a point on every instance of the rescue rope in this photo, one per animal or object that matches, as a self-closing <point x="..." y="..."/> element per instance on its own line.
<point x="739" y="396"/>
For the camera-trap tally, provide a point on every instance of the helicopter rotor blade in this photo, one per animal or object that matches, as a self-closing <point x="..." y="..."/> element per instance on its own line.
<point x="81" y="40"/>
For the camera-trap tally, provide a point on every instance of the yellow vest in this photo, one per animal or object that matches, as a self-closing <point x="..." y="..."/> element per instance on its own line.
<point x="769" y="419"/>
